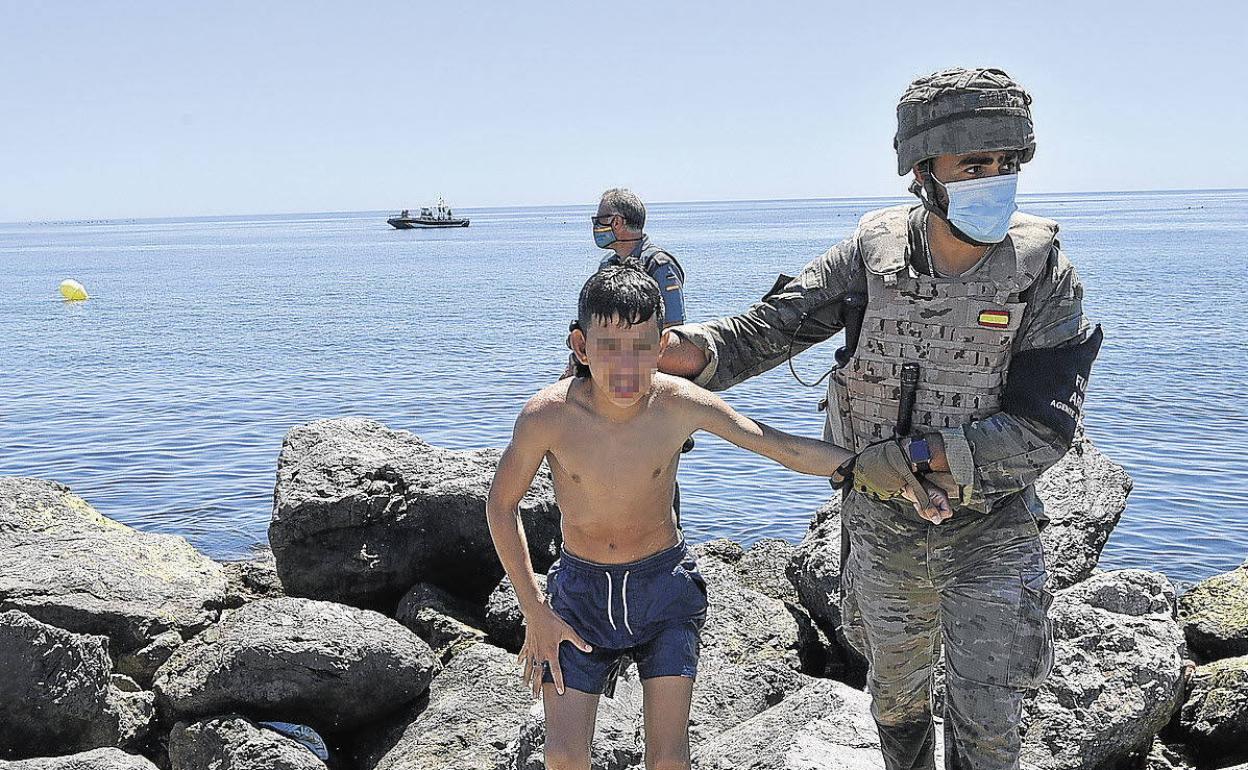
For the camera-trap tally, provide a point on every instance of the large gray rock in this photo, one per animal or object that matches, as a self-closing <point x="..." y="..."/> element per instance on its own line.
<point x="1118" y="673"/>
<point x="815" y="567"/>
<point x="1164" y="756"/>
<point x="472" y="721"/>
<point x="746" y="626"/>
<point x="361" y="513"/>
<point x="503" y="619"/>
<point x="761" y="567"/>
<point x="445" y="622"/>
<point x="814" y="570"/>
<point x="1214" y="720"/>
<point x="58" y="693"/>
<point x="326" y="665"/>
<point x="755" y="648"/>
<point x="233" y="742"/>
<point x="96" y="759"/>
<point x="1084" y="496"/>
<point x="825" y="725"/>
<point x="729" y="692"/>
<point x="1214" y="615"/>
<point x="68" y="565"/>
<point x="770" y="566"/>
<point x="252" y="578"/>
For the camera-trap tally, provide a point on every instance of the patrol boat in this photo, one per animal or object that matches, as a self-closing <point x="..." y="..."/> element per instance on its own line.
<point x="437" y="215"/>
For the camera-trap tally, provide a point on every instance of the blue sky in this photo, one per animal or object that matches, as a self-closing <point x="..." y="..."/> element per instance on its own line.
<point x="174" y="108"/>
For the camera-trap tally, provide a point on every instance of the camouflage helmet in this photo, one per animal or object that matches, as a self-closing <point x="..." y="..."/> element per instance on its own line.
<point x="962" y="110"/>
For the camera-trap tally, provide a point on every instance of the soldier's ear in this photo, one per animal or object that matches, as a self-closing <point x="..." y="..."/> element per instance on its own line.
<point x="577" y="340"/>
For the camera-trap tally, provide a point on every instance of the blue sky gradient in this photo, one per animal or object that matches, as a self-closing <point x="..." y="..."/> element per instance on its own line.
<point x="145" y="109"/>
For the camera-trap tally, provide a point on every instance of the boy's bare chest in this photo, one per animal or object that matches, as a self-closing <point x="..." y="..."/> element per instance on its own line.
<point x="606" y="454"/>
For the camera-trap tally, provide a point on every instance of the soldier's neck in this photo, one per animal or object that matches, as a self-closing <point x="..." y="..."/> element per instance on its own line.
<point x="950" y="254"/>
<point x="624" y="248"/>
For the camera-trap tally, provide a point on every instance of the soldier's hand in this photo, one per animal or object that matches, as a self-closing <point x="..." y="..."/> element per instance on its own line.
<point x="940" y="509"/>
<point x="945" y="481"/>
<point x="882" y="471"/>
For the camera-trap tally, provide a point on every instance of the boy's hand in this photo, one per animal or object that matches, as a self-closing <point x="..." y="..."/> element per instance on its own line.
<point x="543" y="633"/>
<point x="938" y="508"/>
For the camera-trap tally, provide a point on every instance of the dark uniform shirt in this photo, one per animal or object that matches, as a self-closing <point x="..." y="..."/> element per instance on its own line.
<point x="665" y="270"/>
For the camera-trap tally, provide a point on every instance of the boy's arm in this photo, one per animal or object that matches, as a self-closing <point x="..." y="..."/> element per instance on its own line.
<point x="544" y="630"/>
<point x="804" y="455"/>
<point x="516" y="468"/>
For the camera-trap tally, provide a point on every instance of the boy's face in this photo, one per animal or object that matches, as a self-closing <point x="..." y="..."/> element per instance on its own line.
<point x="622" y="358"/>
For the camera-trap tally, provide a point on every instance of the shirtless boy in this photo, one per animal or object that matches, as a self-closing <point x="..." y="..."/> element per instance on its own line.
<point x="625" y="582"/>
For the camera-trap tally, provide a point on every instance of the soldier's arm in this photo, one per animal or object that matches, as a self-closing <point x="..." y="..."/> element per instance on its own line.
<point x="1005" y="452"/>
<point x="721" y="353"/>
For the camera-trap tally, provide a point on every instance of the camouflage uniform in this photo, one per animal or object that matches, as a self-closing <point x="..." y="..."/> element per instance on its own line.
<point x="974" y="584"/>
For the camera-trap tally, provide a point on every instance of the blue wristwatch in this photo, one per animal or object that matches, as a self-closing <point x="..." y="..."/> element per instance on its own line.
<point x="920" y="455"/>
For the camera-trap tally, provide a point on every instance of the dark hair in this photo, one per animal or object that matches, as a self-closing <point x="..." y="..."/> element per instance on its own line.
<point x="622" y="293"/>
<point x="623" y="201"/>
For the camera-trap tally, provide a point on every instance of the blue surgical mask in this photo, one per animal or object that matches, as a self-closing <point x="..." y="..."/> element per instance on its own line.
<point x="604" y="236"/>
<point x="981" y="208"/>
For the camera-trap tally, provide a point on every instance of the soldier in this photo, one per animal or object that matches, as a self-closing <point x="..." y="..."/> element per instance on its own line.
<point x="981" y="298"/>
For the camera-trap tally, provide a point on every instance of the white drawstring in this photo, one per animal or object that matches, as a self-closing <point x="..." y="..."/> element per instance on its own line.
<point x="624" y="599"/>
<point x="609" y="600"/>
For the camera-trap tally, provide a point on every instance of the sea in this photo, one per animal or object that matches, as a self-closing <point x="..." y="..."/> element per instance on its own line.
<point x="163" y="400"/>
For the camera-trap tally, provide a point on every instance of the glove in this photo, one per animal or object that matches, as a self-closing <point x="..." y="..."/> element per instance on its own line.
<point x="882" y="471"/>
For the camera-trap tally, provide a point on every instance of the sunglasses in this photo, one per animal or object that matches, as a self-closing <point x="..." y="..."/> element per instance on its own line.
<point x="603" y="221"/>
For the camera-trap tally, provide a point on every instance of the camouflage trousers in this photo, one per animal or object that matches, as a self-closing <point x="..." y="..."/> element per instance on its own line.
<point x="973" y="585"/>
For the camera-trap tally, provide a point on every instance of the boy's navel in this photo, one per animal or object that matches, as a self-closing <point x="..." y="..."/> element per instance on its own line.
<point x="657" y="473"/>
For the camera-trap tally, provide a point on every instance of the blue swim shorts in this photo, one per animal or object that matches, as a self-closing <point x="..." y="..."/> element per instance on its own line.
<point x="651" y="610"/>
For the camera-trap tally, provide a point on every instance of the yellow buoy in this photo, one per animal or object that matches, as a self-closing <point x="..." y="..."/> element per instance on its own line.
<point x="71" y="289"/>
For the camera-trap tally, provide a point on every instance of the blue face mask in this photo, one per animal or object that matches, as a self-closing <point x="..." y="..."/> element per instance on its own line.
<point x="981" y="208"/>
<point x="604" y="236"/>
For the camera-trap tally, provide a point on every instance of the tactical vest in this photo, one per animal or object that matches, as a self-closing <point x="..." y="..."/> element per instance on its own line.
<point x="960" y="331"/>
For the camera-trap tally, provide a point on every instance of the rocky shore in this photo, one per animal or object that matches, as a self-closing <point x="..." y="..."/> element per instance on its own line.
<point x="378" y="633"/>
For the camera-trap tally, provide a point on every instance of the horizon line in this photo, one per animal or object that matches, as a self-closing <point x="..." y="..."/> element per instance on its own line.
<point x="178" y="217"/>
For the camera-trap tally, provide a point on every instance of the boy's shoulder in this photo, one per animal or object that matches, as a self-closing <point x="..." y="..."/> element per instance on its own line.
<point x="550" y="400"/>
<point x="670" y="385"/>
<point x="677" y="388"/>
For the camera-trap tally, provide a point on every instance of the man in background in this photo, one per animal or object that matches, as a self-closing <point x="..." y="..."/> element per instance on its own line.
<point x="619" y="227"/>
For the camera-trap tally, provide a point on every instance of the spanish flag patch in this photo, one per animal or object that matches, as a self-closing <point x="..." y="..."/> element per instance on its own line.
<point x="994" y="319"/>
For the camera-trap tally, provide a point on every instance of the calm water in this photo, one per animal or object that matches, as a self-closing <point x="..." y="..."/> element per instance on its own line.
<point x="165" y="398"/>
